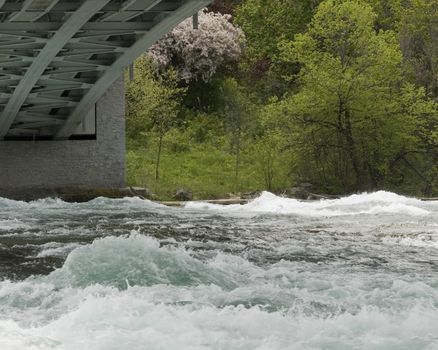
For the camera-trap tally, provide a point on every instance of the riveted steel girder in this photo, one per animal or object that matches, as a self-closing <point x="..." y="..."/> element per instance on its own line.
<point x="58" y="57"/>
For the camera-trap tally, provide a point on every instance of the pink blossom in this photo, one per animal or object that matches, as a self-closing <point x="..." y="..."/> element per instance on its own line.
<point x="197" y="53"/>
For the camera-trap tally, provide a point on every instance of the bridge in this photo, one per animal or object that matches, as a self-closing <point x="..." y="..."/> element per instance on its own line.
<point x="61" y="95"/>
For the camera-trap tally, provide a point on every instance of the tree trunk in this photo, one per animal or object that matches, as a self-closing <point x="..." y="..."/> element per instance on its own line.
<point x="351" y="147"/>
<point x="268" y="171"/>
<point x="346" y="130"/>
<point x="157" y="164"/>
<point x="237" y="165"/>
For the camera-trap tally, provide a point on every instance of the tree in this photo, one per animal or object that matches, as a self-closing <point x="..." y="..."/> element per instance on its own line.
<point x="387" y="12"/>
<point x="422" y="159"/>
<point x="266" y="23"/>
<point x="152" y="103"/>
<point x="419" y="42"/>
<point x="236" y="108"/>
<point x="198" y="53"/>
<point x="351" y="118"/>
<point x="270" y="153"/>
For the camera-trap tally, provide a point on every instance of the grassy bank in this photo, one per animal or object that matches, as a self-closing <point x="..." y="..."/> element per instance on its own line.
<point x="205" y="171"/>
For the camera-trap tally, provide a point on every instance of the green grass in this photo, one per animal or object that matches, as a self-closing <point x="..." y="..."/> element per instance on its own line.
<point x="205" y="170"/>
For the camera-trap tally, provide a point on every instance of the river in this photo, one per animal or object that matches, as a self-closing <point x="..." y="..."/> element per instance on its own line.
<point x="360" y="272"/>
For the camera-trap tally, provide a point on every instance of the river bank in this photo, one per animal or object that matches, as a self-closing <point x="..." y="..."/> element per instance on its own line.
<point x="81" y="195"/>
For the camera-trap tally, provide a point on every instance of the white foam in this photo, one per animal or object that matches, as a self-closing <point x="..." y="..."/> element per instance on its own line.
<point x="121" y="203"/>
<point x="13" y="224"/>
<point x="420" y="241"/>
<point x="306" y="309"/>
<point x="368" y="203"/>
<point x="56" y="249"/>
<point x="10" y="203"/>
<point x="14" y="337"/>
<point x="128" y="320"/>
<point x="142" y="325"/>
<point x="97" y="203"/>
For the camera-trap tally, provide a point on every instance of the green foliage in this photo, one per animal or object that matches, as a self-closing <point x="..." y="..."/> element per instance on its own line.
<point x="339" y="93"/>
<point x="350" y="120"/>
<point x="203" y="96"/>
<point x="423" y="159"/>
<point x="152" y="101"/>
<point x="266" y="22"/>
<point x="419" y="41"/>
<point x="236" y="107"/>
<point x="237" y="112"/>
<point x="271" y="148"/>
<point x="387" y="13"/>
<point x="272" y="160"/>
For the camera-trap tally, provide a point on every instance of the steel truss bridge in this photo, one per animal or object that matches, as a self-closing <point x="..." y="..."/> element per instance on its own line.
<point x="58" y="57"/>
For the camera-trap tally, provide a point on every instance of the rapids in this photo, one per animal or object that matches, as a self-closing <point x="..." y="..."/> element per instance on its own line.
<point x="360" y="272"/>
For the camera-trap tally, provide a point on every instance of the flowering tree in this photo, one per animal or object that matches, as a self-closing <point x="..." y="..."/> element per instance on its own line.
<point x="197" y="53"/>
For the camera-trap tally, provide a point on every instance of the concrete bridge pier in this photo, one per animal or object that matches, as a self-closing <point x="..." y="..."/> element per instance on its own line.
<point x="40" y="168"/>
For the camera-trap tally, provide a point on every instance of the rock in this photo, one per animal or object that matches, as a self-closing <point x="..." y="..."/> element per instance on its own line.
<point x="183" y="195"/>
<point x="305" y="185"/>
<point x="141" y="192"/>
<point x="250" y="195"/>
<point x="297" y="192"/>
<point x="300" y="191"/>
<point x="314" y="197"/>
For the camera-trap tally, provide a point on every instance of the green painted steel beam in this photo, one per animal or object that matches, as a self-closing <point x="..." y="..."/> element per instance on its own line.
<point x="112" y="73"/>
<point x="58" y="57"/>
<point x="12" y="27"/>
<point x="65" y="7"/>
<point x="47" y="54"/>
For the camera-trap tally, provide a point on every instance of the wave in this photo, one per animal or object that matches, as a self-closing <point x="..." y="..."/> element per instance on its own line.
<point x="97" y="203"/>
<point x="135" y="260"/>
<point x="418" y="241"/>
<point x="123" y="320"/>
<point x="122" y="263"/>
<point x="381" y="202"/>
<point x="56" y="249"/>
<point x="6" y="203"/>
<point x="120" y="203"/>
<point x="132" y="293"/>
<point x="12" y="224"/>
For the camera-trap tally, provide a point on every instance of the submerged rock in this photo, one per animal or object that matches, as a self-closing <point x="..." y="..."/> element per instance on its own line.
<point x="183" y="195"/>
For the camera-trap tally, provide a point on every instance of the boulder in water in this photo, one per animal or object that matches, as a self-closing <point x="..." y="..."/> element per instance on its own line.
<point x="141" y="192"/>
<point x="300" y="191"/>
<point x="183" y="195"/>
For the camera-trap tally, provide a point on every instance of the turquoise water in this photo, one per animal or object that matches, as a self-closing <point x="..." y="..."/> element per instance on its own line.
<point x="360" y="272"/>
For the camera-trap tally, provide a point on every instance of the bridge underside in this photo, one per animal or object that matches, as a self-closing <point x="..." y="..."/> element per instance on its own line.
<point x="61" y="95"/>
<point x="58" y="57"/>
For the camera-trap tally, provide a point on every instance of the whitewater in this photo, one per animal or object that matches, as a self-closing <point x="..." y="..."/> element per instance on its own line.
<point x="359" y="272"/>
